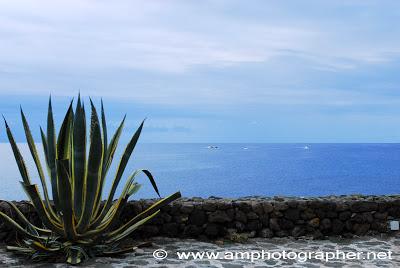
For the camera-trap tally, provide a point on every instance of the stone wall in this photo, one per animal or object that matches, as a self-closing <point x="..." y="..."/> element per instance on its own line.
<point x="238" y="219"/>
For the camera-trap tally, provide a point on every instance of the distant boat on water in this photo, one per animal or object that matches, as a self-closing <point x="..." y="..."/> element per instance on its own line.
<point x="306" y="148"/>
<point x="212" y="147"/>
<point x="245" y="148"/>
<point x="229" y="170"/>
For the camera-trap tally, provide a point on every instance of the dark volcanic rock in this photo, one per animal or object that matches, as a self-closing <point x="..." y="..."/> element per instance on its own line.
<point x="166" y="217"/>
<point x="345" y="215"/>
<point x="394" y="211"/>
<point x="325" y="224"/>
<point x="266" y="233"/>
<point x="286" y="224"/>
<point x="245" y="206"/>
<point x="268" y="207"/>
<point x="337" y="226"/>
<point x="363" y="206"/>
<point x="361" y="228"/>
<point x="198" y="217"/>
<point x="274" y="224"/>
<point x="298" y="231"/>
<point x="381" y="227"/>
<point x="223" y="205"/>
<point x="257" y="208"/>
<point x="170" y="229"/>
<point x="264" y="219"/>
<point x="192" y="230"/>
<point x="212" y="230"/>
<point x="251" y="216"/>
<point x="292" y="214"/>
<point x="314" y="223"/>
<point x="175" y="209"/>
<point x="282" y="233"/>
<point x="278" y="206"/>
<point x="187" y="208"/>
<point x="381" y="215"/>
<point x="150" y="230"/>
<point x="209" y="206"/>
<point x="331" y="214"/>
<point x="253" y="226"/>
<point x="317" y="235"/>
<point x="219" y="217"/>
<point x="308" y="214"/>
<point x="240" y="227"/>
<point x="241" y="216"/>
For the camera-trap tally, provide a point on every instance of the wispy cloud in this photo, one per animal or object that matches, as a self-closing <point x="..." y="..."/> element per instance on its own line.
<point x="226" y="58"/>
<point x="134" y="44"/>
<point x="170" y="36"/>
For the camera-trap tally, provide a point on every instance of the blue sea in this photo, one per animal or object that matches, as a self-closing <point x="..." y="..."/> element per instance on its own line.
<point x="236" y="170"/>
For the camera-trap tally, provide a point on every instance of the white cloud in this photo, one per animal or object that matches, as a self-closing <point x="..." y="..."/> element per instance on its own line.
<point x="166" y="36"/>
<point x="59" y="45"/>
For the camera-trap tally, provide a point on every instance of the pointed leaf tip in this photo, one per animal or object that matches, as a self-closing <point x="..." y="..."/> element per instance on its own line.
<point x="78" y="104"/>
<point x="152" y="181"/>
<point x="22" y="113"/>
<point x="91" y="102"/>
<point x="5" y="121"/>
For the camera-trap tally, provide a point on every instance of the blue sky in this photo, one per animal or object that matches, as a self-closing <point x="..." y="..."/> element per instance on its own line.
<point x="209" y="71"/>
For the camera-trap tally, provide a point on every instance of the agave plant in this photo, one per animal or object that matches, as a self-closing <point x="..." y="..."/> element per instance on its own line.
<point x="77" y="222"/>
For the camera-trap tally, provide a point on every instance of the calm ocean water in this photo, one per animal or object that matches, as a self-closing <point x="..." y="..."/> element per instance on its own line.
<point x="235" y="170"/>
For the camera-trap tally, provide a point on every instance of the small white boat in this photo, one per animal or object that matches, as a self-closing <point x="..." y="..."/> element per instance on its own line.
<point x="245" y="148"/>
<point x="212" y="147"/>
<point x="306" y="147"/>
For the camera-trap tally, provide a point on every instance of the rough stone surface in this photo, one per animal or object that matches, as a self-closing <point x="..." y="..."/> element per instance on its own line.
<point x="292" y="214"/>
<point x="298" y="231"/>
<point x="314" y="223"/>
<point x="266" y="233"/>
<point x="144" y="257"/>
<point x="219" y="216"/>
<point x="274" y="224"/>
<point x="262" y="216"/>
<point x="241" y="216"/>
<point x="212" y="230"/>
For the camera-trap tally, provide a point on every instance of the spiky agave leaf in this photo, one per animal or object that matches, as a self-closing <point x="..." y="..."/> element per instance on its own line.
<point x="51" y="153"/>
<point x="93" y="171"/>
<point x="35" y="156"/>
<point x="17" y="154"/>
<point x="78" y="225"/>
<point x="25" y="221"/>
<point x="107" y="160"/>
<point x="120" y="170"/>
<point x="79" y="157"/>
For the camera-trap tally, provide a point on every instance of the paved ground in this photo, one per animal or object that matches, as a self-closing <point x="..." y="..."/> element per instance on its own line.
<point x="144" y="257"/>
